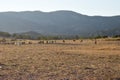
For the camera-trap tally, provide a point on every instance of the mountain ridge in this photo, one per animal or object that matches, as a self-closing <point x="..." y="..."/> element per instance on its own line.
<point x="58" y="23"/>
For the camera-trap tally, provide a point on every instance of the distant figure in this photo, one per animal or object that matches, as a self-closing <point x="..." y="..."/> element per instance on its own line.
<point x="41" y="42"/>
<point x="81" y="40"/>
<point x="63" y="41"/>
<point x="29" y="42"/>
<point x="18" y="43"/>
<point x="74" y="40"/>
<point x="22" y="42"/>
<point x="47" y="42"/>
<point x="3" y="41"/>
<point x="51" y="42"/>
<point x="95" y="41"/>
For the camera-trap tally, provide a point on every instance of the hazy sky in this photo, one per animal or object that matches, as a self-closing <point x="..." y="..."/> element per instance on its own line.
<point x="89" y="7"/>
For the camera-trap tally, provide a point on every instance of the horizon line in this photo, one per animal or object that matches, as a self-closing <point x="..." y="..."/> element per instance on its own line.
<point x="59" y="10"/>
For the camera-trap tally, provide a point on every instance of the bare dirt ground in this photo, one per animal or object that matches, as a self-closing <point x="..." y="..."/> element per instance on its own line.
<point x="64" y="61"/>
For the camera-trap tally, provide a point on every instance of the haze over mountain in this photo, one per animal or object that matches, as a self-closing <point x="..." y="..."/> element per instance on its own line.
<point x="59" y="23"/>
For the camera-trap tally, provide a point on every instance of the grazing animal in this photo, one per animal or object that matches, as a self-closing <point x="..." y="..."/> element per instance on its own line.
<point x="22" y="42"/>
<point x="50" y="42"/>
<point x="95" y="41"/>
<point x="63" y="41"/>
<point x="47" y="42"/>
<point x="41" y="42"/>
<point x="19" y="43"/>
<point x="29" y="42"/>
<point x="81" y="40"/>
<point x="3" y="41"/>
<point x="74" y="40"/>
<point x="54" y="41"/>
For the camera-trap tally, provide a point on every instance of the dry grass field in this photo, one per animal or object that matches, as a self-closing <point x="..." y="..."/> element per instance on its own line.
<point x="61" y="61"/>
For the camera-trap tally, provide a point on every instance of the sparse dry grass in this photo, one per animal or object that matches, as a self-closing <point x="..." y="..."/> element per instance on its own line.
<point x="69" y="61"/>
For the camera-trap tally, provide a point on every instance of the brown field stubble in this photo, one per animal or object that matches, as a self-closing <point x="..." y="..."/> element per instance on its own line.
<point x="64" y="61"/>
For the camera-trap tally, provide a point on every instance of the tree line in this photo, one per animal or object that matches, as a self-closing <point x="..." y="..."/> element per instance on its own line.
<point x="49" y="37"/>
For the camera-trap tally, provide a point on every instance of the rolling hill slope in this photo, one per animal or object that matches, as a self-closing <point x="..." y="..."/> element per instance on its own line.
<point x="59" y="23"/>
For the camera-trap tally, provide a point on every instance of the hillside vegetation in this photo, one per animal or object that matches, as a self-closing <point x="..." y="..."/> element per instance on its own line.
<point x="59" y="23"/>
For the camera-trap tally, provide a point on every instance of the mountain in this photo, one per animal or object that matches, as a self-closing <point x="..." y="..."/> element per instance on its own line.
<point x="59" y="23"/>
